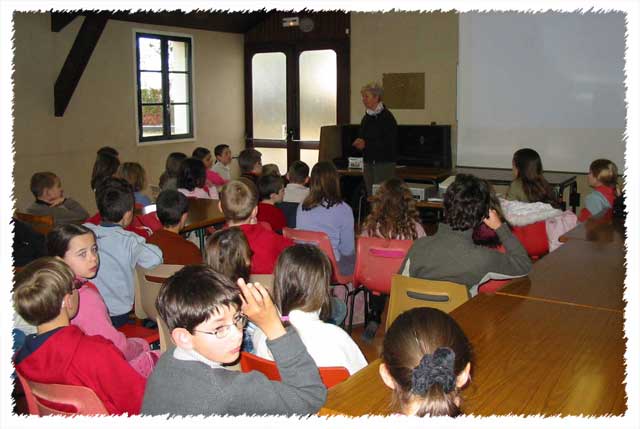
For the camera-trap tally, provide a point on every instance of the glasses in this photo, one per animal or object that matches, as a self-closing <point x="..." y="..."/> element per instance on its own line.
<point x="239" y="321"/>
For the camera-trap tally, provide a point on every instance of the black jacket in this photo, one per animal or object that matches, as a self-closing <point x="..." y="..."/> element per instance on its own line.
<point x="380" y="133"/>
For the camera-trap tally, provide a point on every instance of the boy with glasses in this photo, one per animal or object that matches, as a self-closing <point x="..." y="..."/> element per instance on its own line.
<point x="205" y="313"/>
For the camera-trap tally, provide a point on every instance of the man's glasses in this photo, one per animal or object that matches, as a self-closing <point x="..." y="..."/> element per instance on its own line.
<point x="239" y="321"/>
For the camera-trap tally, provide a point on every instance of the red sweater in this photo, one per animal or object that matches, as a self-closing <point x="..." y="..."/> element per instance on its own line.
<point x="266" y="247"/>
<point x="136" y="225"/>
<point x="68" y="356"/>
<point x="272" y="215"/>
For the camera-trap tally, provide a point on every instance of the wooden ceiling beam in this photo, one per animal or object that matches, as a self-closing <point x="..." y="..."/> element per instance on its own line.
<point x="59" y="20"/>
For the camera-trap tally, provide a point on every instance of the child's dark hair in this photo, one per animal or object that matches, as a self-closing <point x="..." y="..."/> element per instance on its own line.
<point x="605" y="172"/>
<point x="172" y="167"/>
<point x="298" y="172"/>
<point x="228" y="253"/>
<point x="424" y="351"/>
<point x="200" y="153"/>
<point x="192" y="174"/>
<point x="193" y="294"/>
<point x="393" y="212"/>
<point x="42" y="181"/>
<point x="268" y="184"/>
<point x="324" y="186"/>
<point x="114" y="197"/>
<point x="59" y="237"/>
<point x="302" y="277"/>
<point x="217" y="151"/>
<point x="171" y="205"/>
<point x="535" y="186"/>
<point x="104" y="167"/>
<point x="108" y="150"/>
<point x="237" y="200"/>
<point x="40" y="288"/>
<point x="466" y="202"/>
<point x="247" y="159"/>
<point x="133" y="173"/>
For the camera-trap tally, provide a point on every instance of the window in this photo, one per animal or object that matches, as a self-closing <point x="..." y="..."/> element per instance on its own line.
<point x="163" y="71"/>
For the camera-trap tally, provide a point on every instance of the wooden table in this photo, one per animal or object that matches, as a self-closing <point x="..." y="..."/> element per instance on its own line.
<point x="203" y="213"/>
<point x="596" y="230"/>
<point x="530" y="357"/>
<point x="408" y="173"/>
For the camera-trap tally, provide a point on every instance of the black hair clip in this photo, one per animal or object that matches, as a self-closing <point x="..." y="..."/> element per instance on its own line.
<point x="436" y="368"/>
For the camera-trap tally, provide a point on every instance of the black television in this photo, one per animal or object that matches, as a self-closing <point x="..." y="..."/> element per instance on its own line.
<point x="424" y="145"/>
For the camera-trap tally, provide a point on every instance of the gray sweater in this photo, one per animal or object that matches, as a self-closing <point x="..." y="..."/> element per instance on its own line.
<point x="452" y="256"/>
<point x="70" y="211"/>
<point x="183" y="388"/>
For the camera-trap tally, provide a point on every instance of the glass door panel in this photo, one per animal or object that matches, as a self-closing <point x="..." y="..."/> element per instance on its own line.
<point x="309" y="157"/>
<point x="318" y="83"/>
<point x="269" y="94"/>
<point x="277" y="156"/>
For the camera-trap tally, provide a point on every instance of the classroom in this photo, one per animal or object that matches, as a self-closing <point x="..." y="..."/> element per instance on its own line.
<point x="556" y="85"/>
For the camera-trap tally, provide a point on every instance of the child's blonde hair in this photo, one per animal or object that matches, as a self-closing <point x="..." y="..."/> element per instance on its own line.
<point x="605" y="172"/>
<point x="237" y="200"/>
<point x="133" y="173"/>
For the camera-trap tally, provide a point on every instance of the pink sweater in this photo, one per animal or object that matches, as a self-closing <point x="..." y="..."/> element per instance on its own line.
<point x="93" y="319"/>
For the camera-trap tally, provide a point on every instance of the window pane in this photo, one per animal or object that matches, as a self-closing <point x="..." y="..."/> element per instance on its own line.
<point x="318" y="80"/>
<point x="274" y="156"/>
<point x="178" y="88"/>
<point x="268" y="78"/>
<point x="151" y="87"/>
<point x="150" y="56"/>
<point x="177" y="56"/>
<point x="180" y="119"/>
<point x="309" y="156"/>
<point x="151" y="121"/>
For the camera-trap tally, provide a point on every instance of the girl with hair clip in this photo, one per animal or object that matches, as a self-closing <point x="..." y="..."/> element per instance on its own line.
<point x="301" y="292"/>
<point x="76" y="245"/>
<point x="426" y="360"/>
<point x="529" y="185"/>
<point x="603" y="178"/>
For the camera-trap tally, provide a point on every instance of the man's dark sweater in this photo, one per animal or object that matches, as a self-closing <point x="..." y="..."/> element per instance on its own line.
<point x="380" y="133"/>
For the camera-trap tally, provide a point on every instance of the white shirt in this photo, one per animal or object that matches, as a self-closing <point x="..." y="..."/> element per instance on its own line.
<point x="327" y="344"/>
<point x="223" y="170"/>
<point x="295" y="193"/>
<point x="200" y="193"/>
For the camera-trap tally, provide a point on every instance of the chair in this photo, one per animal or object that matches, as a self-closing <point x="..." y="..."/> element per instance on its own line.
<point x="410" y="292"/>
<point x="534" y="238"/>
<point x="148" y="283"/>
<point x="321" y="240"/>
<point x="42" y="224"/>
<point x="377" y="259"/>
<point x="330" y="375"/>
<point x="82" y="399"/>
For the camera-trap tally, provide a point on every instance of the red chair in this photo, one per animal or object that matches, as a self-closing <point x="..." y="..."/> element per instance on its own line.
<point x="321" y="240"/>
<point x="330" y="375"/>
<point x="377" y="260"/>
<point x="80" y="398"/>
<point x="136" y="331"/>
<point x="534" y="238"/>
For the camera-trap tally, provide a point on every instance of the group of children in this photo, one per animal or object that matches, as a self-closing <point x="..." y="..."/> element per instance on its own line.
<point x="76" y="298"/>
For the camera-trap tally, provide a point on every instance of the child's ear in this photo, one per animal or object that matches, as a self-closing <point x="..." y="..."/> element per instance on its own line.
<point x="463" y="377"/>
<point x="182" y="338"/>
<point x="386" y="376"/>
<point x="254" y="213"/>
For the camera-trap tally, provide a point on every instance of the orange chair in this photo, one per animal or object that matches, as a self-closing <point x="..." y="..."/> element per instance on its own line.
<point x="82" y="399"/>
<point x="321" y="240"/>
<point x="377" y="260"/>
<point x="330" y="375"/>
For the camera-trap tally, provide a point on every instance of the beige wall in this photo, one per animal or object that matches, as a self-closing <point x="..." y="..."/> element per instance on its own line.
<point x="408" y="43"/>
<point x="102" y="109"/>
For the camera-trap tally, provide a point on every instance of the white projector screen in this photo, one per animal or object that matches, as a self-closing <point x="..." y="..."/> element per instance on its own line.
<point x="553" y="82"/>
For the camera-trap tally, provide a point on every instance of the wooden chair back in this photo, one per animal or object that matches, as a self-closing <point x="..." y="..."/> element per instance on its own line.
<point x="148" y="283"/>
<point x="42" y="224"/>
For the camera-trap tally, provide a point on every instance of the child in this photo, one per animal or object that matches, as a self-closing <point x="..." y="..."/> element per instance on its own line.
<point x="270" y="170"/>
<point x="223" y="159"/>
<point x="238" y="203"/>
<point x="120" y="250"/>
<point x="298" y="176"/>
<point x="603" y="177"/>
<point x="173" y="210"/>
<point x="213" y="178"/>
<point x="46" y="187"/>
<point x="250" y="163"/>
<point x="301" y="292"/>
<point x="205" y="313"/>
<point x="76" y="245"/>
<point x="529" y="185"/>
<point x="426" y="360"/>
<point x="324" y="210"/>
<point x="105" y="166"/>
<point x="169" y="179"/>
<point x="192" y="179"/>
<point x="108" y="150"/>
<point x="451" y="255"/>
<point x="133" y="173"/>
<point x="271" y="192"/>
<point x="46" y="296"/>
<point x="228" y="253"/>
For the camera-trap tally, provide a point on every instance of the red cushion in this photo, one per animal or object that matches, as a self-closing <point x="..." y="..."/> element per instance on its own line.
<point x="534" y="238"/>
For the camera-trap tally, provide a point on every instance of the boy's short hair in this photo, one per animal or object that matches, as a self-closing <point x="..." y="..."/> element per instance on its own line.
<point x="298" y="172"/>
<point x="217" y="151"/>
<point x="114" y="197"/>
<point x="193" y="294"/>
<point x="466" y="202"/>
<point x="41" y="181"/>
<point x="247" y="159"/>
<point x="200" y="153"/>
<point x="268" y="185"/>
<point x="40" y="288"/>
<point x="237" y="200"/>
<point x="171" y="205"/>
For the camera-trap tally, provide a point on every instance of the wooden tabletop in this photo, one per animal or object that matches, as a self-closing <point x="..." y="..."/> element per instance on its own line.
<point x="203" y="213"/>
<point x="530" y="357"/>
<point x="597" y="230"/>
<point x="580" y="272"/>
